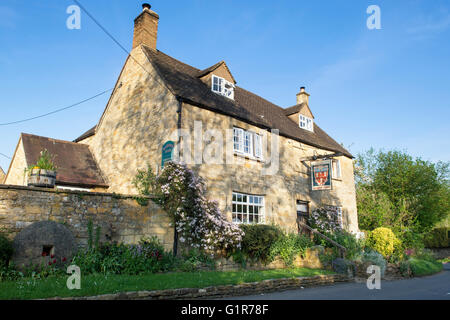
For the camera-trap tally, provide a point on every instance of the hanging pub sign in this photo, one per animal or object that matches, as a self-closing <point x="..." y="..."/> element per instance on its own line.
<point x="167" y="152"/>
<point x="321" y="175"/>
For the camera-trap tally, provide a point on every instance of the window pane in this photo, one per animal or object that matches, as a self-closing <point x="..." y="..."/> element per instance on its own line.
<point x="239" y="208"/>
<point x="234" y="196"/>
<point x="244" y="198"/>
<point x="234" y="208"/>
<point x="244" y="209"/>
<point x="250" y="209"/>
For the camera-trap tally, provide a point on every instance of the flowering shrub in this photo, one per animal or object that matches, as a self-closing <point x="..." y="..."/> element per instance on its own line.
<point x="198" y="221"/>
<point x="325" y="220"/>
<point x="384" y="241"/>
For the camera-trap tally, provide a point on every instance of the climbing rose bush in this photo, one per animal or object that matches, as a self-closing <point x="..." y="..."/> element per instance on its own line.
<point x="325" y="220"/>
<point x="198" y="221"/>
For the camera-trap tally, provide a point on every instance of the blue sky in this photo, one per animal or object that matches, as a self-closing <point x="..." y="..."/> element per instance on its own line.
<point x="387" y="88"/>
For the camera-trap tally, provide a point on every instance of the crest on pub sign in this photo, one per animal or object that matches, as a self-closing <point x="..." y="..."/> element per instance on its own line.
<point x="321" y="175"/>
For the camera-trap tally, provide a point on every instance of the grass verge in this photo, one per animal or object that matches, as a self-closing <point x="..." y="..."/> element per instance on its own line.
<point x="92" y="285"/>
<point x="421" y="267"/>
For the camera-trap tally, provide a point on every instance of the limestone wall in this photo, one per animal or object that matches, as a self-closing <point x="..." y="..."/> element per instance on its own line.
<point x="16" y="175"/>
<point x="2" y="175"/>
<point x="291" y="182"/>
<point x="140" y="117"/>
<point x="120" y="217"/>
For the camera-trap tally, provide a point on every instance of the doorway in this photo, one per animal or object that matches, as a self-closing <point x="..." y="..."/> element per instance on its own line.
<point x="303" y="217"/>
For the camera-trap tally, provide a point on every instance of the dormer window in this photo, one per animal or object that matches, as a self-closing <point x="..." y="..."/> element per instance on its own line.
<point x="222" y="87"/>
<point x="306" y="123"/>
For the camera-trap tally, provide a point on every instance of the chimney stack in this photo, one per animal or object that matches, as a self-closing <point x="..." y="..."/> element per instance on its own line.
<point x="303" y="96"/>
<point x="146" y="28"/>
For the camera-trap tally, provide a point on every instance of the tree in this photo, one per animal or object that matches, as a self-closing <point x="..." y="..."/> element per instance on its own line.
<point x="397" y="191"/>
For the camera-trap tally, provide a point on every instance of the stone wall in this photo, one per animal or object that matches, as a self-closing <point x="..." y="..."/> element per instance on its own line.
<point x="120" y="217"/>
<point x="248" y="288"/>
<point x="139" y="118"/>
<point x="2" y="175"/>
<point x="310" y="260"/>
<point x="282" y="189"/>
<point x="16" y="174"/>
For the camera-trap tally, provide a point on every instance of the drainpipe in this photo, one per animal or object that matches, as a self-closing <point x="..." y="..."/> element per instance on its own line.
<point x="175" y="232"/>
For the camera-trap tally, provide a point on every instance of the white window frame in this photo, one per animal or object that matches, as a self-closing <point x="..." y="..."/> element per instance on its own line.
<point x="336" y="169"/>
<point x="243" y="203"/>
<point x="238" y="140"/>
<point x="305" y="122"/>
<point x="222" y="85"/>
<point x="254" y="148"/>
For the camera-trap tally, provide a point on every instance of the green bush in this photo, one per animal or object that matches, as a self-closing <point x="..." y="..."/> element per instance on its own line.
<point x="195" y="259"/>
<point x="146" y="257"/>
<point x="343" y="266"/>
<point x="437" y="238"/>
<point x="420" y="267"/>
<point x="6" y="251"/>
<point x="347" y="240"/>
<point x="384" y="241"/>
<point x="374" y="258"/>
<point x="410" y="238"/>
<point x="258" y="240"/>
<point x="288" y="246"/>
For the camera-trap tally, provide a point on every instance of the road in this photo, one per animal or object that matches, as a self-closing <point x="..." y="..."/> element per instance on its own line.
<point x="435" y="287"/>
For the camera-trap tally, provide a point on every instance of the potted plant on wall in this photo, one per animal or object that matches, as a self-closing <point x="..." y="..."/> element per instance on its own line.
<point x="43" y="173"/>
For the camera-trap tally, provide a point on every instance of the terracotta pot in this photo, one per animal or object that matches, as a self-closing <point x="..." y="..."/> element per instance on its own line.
<point x="42" y="178"/>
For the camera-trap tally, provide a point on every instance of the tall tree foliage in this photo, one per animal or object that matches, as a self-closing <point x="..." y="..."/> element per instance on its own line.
<point x="395" y="190"/>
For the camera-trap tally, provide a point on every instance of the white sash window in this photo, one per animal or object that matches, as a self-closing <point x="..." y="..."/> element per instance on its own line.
<point x="247" y="208"/>
<point x="247" y="143"/>
<point x="222" y="87"/>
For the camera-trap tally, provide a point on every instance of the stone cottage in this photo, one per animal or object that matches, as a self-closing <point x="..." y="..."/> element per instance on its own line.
<point x="159" y="99"/>
<point x="2" y="175"/>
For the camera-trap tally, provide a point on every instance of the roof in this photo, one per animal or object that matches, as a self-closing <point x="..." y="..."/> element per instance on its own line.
<point x="74" y="161"/>
<point x="183" y="80"/>
<point x="86" y="135"/>
<point x="293" y="109"/>
<point x="214" y="67"/>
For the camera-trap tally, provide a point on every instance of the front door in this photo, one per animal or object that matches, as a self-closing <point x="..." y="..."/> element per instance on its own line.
<point x="303" y="217"/>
